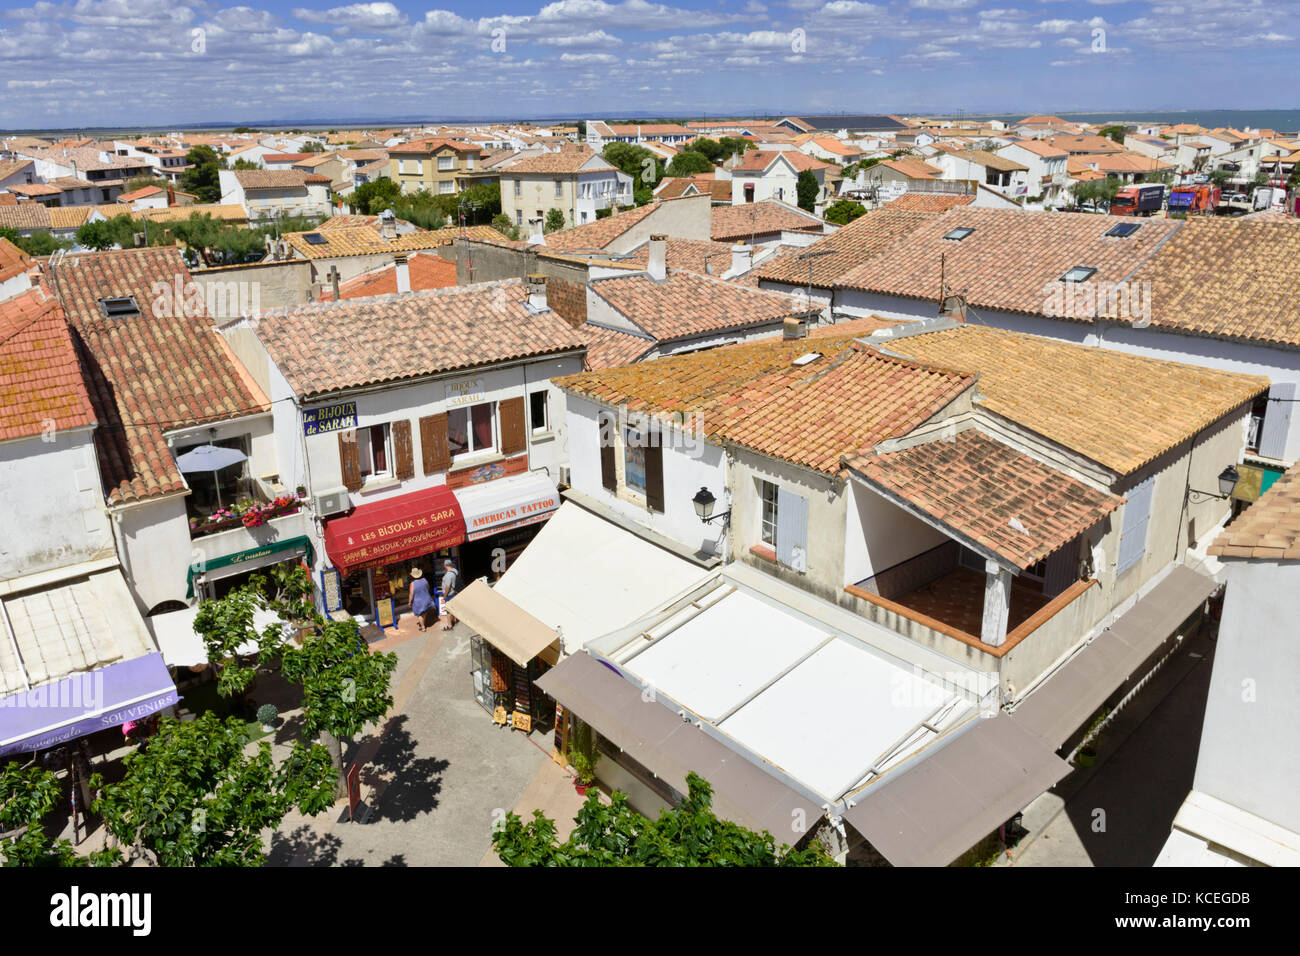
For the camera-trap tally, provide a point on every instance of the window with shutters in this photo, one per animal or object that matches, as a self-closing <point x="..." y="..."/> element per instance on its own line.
<point x="435" y="452"/>
<point x="403" y="450"/>
<point x="1137" y="515"/>
<point x="783" y="524"/>
<point x="767" y="512"/>
<point x="606" y="427"/>
<point x="514" y="430"/>
<point x="375" y="452"/>
<point x="472" y="430"/>
<point x="634" y="460"/>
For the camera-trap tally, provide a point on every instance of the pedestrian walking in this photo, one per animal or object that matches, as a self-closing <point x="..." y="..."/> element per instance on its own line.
<point x="423" y="606"/>
<point x="450" y="585"/>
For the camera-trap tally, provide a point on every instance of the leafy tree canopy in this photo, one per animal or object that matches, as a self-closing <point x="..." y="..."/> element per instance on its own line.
<point x="844" y="211"/>
<point x="689" y="162"/>
<point x="638" y="162"/>
<point x="42" y="243"/>
<point x="807" y="189"/>
<point x="734" y="145"/>
<point x="202" y="177"/>
<point x="195" y="797"/>
<point x="27" y="795"/>
<point x="554" y="220"/>
<point x="116" y="232"/>
<point x="374" y="197"/>
<point x="689" y="834"/>
<point x="1114" y="132"/>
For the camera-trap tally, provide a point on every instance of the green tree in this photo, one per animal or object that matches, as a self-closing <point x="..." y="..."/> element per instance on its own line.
<point x="711" y="149"/>
<point x="638" y="162"/>
<point x="1114" y="132"/>
<point x="554" y="220"/>
<point x="195" y="797"/>
<point x="202" y="177"/>
<point x="118" y="232"/>
<point x="345" y="686"/>
<point x="374" y="197"/>
<point x="502" y="224"/>
<point x="844" y="211"/>
<point x="734" y="145"/>
<point x="484" y="201"/>
<point x="27" y="796"/>
<point x="41" y="243"/>
<point x="689" y="834"/>
<point x="245" y="164"/>
<point x="807" y="189"/>
<point x="1220" y="177"/>
<point x="688" y="162"/>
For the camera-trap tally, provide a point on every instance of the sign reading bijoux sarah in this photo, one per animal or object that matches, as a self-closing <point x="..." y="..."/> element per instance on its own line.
<point x="329" y="418"/>
<point x="467" y="391"/>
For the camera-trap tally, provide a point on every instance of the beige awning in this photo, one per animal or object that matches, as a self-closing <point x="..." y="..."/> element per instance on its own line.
<point x="504" y="624"/>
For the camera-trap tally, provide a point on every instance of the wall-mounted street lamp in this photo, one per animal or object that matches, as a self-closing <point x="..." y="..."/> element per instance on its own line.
<point x="704" y="502"/>
<point x="1227" y="484"/>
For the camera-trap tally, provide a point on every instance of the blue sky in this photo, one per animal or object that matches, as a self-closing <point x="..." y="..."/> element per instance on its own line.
<point x="129" y="62"/>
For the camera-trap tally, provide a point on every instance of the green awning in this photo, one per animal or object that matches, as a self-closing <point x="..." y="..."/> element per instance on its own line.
<point x="286" y="547"/>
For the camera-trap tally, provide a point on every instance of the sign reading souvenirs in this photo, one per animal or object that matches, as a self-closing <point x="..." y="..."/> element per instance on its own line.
<point x="329" y="418"/>
<point x="466" y="392"/>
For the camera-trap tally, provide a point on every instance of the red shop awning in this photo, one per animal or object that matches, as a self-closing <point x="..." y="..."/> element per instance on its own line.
<point x="396" y="529"/>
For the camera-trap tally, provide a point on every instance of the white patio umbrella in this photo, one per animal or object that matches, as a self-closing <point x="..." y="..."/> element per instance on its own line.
<point x="210" y="458"/>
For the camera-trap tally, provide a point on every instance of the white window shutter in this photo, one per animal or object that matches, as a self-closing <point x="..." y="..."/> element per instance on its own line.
<point x="1137" y="514"/>
<point x="792" y="529"/>
<point x="1277" y="420"/>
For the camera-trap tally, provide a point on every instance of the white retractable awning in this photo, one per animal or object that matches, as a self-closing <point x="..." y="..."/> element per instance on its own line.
<point x="611" y="576"/>
<point x="181" y="647"/>
<point x="506" y="503"/>
<point x="505" y="625"/>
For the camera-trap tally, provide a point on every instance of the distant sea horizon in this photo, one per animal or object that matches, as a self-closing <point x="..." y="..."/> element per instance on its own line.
<point x="1281" y="120"/>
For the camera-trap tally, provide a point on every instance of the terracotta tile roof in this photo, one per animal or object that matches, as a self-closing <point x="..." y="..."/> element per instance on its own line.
<point x="1087" y="399"/>
<point x="609" y="348"/>
<point x="992" y="160"/>
<point x="86" y="158"/>
<point x="852" y="246"/>
<point x="1041" y="120"/>
<point x="1268" y="529"/>
<point x="592" y="236"/>
<point x="139" y="194"/>
<point x="25" y="216"/>
<point x="674" y="187"/>
<point x="758" y="160"/>
<point x="36" y="189"/>
<point x="329" y="346"/>
<point x="366" y="240"/>
<point x="41" y="386"/>
<point x="1040" y="148"/>
<point x="148" y="373"/>
<point x="1087" y="145"/>
<point x="863" y="326"/>
<point x="987" y="492"/>
<point x="270" y="178"/>
<point x="702" y="256"/>
<point x="913" y="168"/>
<point x="840" y="404"/>
<point x="427" y="147"/>
<point x="427" y="271"/>
<point x="1127" y="163"/>
<point x="281" y="158"/>
<point x="228" y="212"/>
<point x="1253" y="295"/>
<point x="686" y="304"/>
<point x="565" y="161"/>
<point x="74" y="217"/>
<point x="732" y="223"/>
<point x="8" y="167"/>
<point x="12" y="260"/>
<point x="649" y="129"/>
<point x="930" y="202"/>
<point x="1013" y="260"/>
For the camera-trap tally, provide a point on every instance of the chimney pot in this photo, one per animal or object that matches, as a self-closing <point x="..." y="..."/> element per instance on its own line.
<point x="403" y="270"/>
<point x="741" y="259"/>
<point x="658" y="262"/>
<point x="535" y="236"/>
<point x="536" y="285"/>
<point x="794" y="327"/>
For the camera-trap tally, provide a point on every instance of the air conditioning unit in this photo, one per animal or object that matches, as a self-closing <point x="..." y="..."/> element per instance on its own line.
<point x="331" y="504"/>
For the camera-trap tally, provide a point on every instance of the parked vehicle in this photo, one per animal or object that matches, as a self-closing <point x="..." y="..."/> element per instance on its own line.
<point x="1268" y="197"/>
<point x="1187" y="199"/>
<point x="1234" y="197"/>
<point x="1138" y="200"/>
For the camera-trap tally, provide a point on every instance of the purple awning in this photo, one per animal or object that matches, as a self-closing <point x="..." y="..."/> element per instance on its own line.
<point x="55" y="713"/>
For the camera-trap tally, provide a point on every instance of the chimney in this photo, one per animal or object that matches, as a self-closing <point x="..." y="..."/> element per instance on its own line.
<point x="387" y="224"/>
<point x="657" y="266"/>
<point x="794" y="327"/>
<point x="742" y="259"/>
<point x="403" y="271"/>
<point x="535" y="237"/>
<point x="171" y="194"/>
<point x="536" y="284"/>
<point x="334" y="282"/>
<point x="954" y="308"/>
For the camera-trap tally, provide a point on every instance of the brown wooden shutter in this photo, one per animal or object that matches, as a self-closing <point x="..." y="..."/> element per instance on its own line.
<point x="605" y="437"/>
<point x="403" y="452"/>
<point x="654" y="475"/>
<point x="514" y="437"/>
<point x="350" y="459"/>
<point x="434" y="449"/>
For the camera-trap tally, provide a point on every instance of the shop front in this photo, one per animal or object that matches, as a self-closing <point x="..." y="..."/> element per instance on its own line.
<point x="501" y="518"/>
<point x="509" y="651"/>
<point x="215" y="577"/>
<point x="374" y="549"/>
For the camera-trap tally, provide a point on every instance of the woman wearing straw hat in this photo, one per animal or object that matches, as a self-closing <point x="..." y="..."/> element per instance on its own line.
<point x="421" y="600"/>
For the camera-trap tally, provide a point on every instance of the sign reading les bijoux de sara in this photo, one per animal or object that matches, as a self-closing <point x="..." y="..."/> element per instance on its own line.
<point x="329" y="418"/>
<point x="467" y="391"/>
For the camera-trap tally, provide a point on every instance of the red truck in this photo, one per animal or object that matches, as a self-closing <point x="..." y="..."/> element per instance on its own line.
<point x="1138" y="200"/>
<point x="1202" y="198"/>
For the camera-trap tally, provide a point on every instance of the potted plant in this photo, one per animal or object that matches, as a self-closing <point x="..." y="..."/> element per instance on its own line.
<point x="266" y="715"/>
<point x="582" y="757"/>
<point x="302" y="491"/>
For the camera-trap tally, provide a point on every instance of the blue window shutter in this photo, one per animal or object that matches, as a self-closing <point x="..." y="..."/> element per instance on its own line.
<point x="792" y="529"/>
<point x="1277" y="421"/>
<point x="1137" y="514"/>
